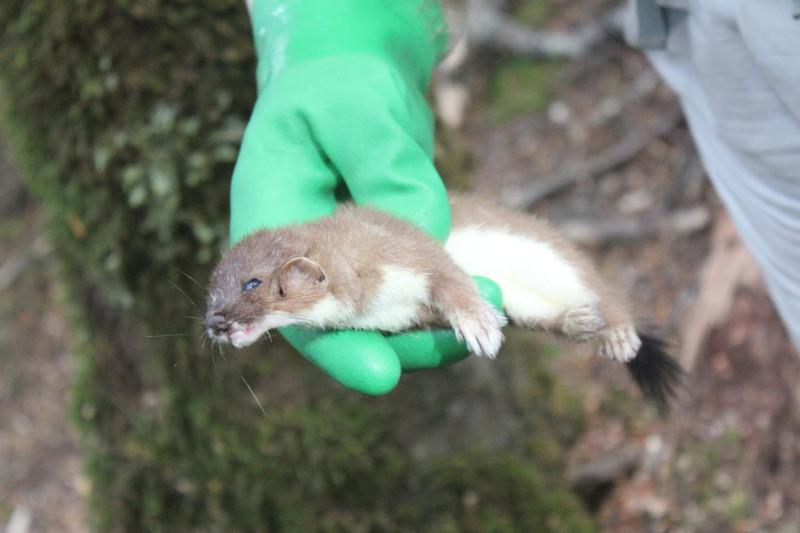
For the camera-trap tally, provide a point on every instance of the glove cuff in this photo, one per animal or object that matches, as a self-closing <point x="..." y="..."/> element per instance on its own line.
<point x="409" y="34"/>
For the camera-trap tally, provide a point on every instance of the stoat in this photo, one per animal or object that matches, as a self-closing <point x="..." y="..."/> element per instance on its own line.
<point x="365" y="269"/>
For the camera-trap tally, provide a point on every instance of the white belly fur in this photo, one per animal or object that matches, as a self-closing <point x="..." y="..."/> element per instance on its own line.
<point x="396" y="304"/>
<point x="538" y="284"/>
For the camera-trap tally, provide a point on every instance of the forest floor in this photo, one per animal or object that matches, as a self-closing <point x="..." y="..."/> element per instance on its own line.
<point x="41" y="483"/>
<point x="627" y="183"/>
<point x="631" y="189"/>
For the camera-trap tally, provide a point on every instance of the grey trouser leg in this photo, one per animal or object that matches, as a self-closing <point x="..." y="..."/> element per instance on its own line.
<point x="736" y="67"/>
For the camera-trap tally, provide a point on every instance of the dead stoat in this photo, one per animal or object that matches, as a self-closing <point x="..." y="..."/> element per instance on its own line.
<point x="365" y="269"/>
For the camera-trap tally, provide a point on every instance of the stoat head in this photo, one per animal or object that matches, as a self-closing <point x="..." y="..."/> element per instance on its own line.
<point x="262" y="283"/>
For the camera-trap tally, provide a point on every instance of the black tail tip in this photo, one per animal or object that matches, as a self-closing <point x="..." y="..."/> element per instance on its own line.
<point x="658" y="374"/>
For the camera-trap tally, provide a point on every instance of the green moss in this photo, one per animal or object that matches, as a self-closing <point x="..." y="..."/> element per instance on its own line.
<point x="10" y="228"/>
<point x="126" y="117"/>
<point x="738" y="506"/>
<point x="534" y="13"/>
<point x="703" y="476"/>
<point x="520" y="86"/>
<point x="620" y="405"/>
<point x="497" y="494"/>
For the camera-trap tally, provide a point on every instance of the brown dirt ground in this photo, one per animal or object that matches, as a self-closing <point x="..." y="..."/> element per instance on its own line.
<point x="40" y="468"/>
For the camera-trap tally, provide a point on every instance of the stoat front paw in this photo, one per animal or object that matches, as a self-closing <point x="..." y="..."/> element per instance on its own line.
<point x="481" y="331"/>
<point x="620" y="344"/>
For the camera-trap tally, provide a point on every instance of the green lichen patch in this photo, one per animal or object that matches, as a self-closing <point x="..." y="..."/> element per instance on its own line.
<point x="520" y="86"/>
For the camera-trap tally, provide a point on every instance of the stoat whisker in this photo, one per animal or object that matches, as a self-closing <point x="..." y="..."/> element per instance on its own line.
<point x="203" y="337"/>
<point x="205" y="290"/>
<point x="184" y="293"/>
<point x="252" y="393"/>
<point x="236" y="368"/>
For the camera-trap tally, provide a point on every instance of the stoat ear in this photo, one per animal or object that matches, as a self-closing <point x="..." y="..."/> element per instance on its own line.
<point x="301" y="272"/>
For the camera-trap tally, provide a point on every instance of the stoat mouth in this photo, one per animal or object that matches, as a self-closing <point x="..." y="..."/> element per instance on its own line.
<point x="241" y="335"/>
<point x="216" y="338"/>
<point x="238" y="334"/>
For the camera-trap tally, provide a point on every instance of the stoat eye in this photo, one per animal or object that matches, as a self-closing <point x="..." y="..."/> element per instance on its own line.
<point x="252" y="284"/>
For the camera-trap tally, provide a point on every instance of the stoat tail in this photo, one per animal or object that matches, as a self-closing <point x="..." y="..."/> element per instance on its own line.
<point x="658" y="375"/>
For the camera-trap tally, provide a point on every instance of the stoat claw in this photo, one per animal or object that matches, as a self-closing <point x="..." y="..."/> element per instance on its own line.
<point x="620" y="344"/>
<point x="481" y="331"/>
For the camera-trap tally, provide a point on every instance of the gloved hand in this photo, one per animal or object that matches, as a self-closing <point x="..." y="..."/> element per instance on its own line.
<point x="341" y="108"/>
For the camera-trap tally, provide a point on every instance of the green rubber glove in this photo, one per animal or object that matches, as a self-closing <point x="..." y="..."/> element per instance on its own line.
<point x="341" y="107"/>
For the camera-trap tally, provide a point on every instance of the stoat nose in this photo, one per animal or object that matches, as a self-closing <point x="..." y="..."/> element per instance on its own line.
<point x="217" y="323"/>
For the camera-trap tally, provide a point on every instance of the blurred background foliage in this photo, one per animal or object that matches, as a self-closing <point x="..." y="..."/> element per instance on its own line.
<point x="125" y="117"/>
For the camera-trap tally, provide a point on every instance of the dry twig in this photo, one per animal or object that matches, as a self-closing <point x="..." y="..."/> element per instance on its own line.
<point x="487" y="26"/>
<point x="590" y="232"/>
<point x="527" y="195"/>
<point x="588" y="477"/>
<point x="12" y="268"/>
<point x="614" y="104"/>
<point x="728" y="267"/>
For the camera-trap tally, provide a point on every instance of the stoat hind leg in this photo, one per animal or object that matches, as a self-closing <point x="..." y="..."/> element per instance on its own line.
<point x="585" y="323"/>
<point x="582" y="323"/>
<point x="547" y="284"/>
<point x="617" y="340"/>
<point x="475" y="322"/>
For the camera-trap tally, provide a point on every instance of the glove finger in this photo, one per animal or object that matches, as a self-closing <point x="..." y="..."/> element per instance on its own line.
<point x="280" y="177"/>
<point x="360" y="360"/>
<point x="418" y="350"/>
<point x="382" y="144"/>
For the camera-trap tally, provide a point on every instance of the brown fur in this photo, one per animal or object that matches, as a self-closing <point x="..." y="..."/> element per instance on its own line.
<point x="353" y="245"/>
